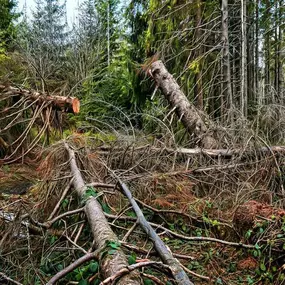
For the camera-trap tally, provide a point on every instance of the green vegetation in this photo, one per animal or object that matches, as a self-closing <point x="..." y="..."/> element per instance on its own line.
<point x="220" y="213"/>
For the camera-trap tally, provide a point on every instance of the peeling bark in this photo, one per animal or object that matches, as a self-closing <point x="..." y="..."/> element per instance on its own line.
<point x="101" y="231"/>
<point x="186" y="112"/>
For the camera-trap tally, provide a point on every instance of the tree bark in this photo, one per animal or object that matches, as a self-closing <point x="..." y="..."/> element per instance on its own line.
<point x="244" y="98"/>
<point x="101" y="231"/>
<point x="267" y="57"/>
<point x="280" y="54"/>
<point x="227" y="88"/>
<point x="190" y="117"/>
<point x="199" y="76"/>
<point x="256" y="71"/>
<point x="165" y="254"/>
<point x="66" y="104"/>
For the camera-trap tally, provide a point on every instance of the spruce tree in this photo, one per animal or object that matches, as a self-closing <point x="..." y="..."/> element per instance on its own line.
<point x="48" y="38"/>
<point x="7" y="17"/>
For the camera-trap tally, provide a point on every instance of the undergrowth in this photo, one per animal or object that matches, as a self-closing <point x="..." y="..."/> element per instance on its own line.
<point x="183" y="196"/>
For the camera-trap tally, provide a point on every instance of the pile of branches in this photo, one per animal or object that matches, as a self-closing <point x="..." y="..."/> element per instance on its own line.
<point x="92" y="233"/>
<point x="159" y="198"/>
<point x="25" y="116"/>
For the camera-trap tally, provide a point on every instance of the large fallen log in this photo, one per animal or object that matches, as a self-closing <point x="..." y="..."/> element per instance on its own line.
<point x="186" y="112"/>
<point x="63" y="103"/>
<point x="110" y="264"/>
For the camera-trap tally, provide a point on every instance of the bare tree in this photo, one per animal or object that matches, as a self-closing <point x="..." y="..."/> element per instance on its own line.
<point x="227" y="88"/>
<point x="243" y="97"/>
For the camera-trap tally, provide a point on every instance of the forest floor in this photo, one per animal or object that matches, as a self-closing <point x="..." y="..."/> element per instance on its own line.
<point x="221" y="218"/>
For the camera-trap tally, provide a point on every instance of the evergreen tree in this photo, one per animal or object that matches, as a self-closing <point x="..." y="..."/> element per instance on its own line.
<point x="109" y="20"/>
<point x="48" y="39"/>
<point x="7" y="17"/>
<point x="85" y="53"/>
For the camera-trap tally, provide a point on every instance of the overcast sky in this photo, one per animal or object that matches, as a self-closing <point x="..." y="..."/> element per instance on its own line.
<point x="71" y="8"/>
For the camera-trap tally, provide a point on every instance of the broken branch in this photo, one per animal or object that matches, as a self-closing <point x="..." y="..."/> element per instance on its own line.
<point x="178" y="273"/>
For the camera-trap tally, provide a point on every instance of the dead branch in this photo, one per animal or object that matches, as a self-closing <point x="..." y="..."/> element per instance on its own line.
<point x="153" y="252"/>
<point x="4" y="276"/>
<point x="227" y="152"/>
<point x="49" y="223"/>
<point x="206" y="239"/>
<point x="132" y="267"/>
<point x="101" y="185"/>
<point x="64" y="193"/>
<point x="178" y="273"/>
<point x="74" y="265"/>
<point x="195" y="274"/>
<point x="153" y="278"/>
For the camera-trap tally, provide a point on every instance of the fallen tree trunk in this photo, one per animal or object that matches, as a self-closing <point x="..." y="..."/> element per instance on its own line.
<point x="186" y="112"/>
<point x="228" y="152"/>
<point x="63" y="103"/>
<point x="165" y="254"/>
<point x="101" y="231"/>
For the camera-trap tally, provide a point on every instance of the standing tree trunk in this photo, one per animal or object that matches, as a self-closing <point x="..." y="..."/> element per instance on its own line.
<point x="277" y="53"/>
<point x="198" y="77"/>
<point x="267" y="47"/>
<point x="250" y="57"/>
<point x="244" y="98"/>
<point x="108" y="31"/>
<point x="226" y="86"/>
<point x="256" y="60"/>
<point x="101" y="231"/>
<point x="186" y="112"/>
<point x="280" y="53"/>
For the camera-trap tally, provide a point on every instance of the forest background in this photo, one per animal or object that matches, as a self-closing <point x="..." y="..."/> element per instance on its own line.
<point x="227" y="58"/>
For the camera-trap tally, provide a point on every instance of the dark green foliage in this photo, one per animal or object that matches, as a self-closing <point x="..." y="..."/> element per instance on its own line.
<point x="7" y="18"/>
<point x="44" y="43"/>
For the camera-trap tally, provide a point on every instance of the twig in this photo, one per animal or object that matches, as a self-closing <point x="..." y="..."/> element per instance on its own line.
<point x="195" y="274"/>
<point x="64" y="215"/>
<point x="48" y="224"/>
<point x="167" y="211"/>
<point x="79" y="233"/>
<point x="130" y="268"/>
<point x="153" y="252"/>
<point x="9" y="279"/>
<point x="74" y="265"/>
<point x="75" y="244"/>
<point x="206" y="239"/>
<point x="153" y="278"/>
<point x="101" y="185"/>
<point x="130" y="231"/>
<point x="61" y="199"/>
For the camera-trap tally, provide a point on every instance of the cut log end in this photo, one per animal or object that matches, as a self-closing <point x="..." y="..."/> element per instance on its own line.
<point x="75" y="105"/>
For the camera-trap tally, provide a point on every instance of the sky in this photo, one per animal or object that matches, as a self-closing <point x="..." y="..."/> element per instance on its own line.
<point x="71" y="8"/>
